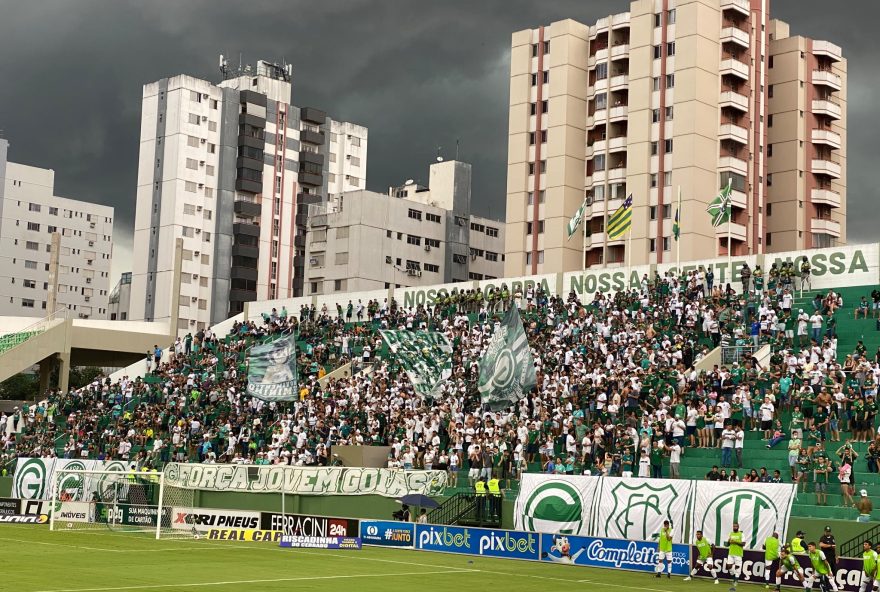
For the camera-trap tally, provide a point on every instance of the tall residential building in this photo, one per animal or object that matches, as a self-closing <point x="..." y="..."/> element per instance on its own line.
<point x="231" y="168"/>
<point x="673" y="94"/>
<point x="412" y="236"/>
<point x="32" y="218"/>
<point x="120" y="299"/>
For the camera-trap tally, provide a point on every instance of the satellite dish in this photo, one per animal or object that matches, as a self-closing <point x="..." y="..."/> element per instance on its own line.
<point x="439" y="159"/>
<point x="408" y="182"/>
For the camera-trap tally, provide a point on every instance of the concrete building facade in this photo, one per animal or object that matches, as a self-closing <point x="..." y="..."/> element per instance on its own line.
<point x="231" y="168"/>
<point x="414" y="235"/>
<point x="119" y="301"/>
<point x="55" y="252"/>
<point x="672" y="94"/>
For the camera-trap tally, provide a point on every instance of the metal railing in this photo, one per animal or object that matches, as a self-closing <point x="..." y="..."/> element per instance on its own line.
<point x="17" y="338"/>
<point x="736" y="353"/>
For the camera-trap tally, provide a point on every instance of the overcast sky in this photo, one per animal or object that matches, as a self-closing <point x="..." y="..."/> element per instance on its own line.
<point x="419" y="74"/>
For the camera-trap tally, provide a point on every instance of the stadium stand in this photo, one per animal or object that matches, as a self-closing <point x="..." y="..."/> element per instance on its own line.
<point x="617" y="376"/>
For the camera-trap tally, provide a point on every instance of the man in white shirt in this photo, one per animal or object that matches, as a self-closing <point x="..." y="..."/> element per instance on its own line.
<point x="739" y="441"/>
<point x="767" y="411"/>
<point x="728" y="437"/>
<point x="674" y="460"/>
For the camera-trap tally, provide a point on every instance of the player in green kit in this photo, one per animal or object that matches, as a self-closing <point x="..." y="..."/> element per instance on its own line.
<point x="771" y="554"/>
<point x="704" y="557"/>
<point x="869" y="567"/>
<point x="735" y="554"/>
<point x="788" y="563"/>
<point x="664" y="550"/>
<point x="821" y="569"/>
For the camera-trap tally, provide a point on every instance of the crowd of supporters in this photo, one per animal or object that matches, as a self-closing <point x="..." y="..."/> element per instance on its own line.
<point x="617" y="390"/>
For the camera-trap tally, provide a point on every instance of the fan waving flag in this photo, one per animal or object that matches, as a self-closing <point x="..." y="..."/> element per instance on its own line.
<point x="576" y="219"/>
<point x="272" y="370"/>
<point x="720" y="208"/>
<point x="621" y="220"/>
<point x="507" y="370"/>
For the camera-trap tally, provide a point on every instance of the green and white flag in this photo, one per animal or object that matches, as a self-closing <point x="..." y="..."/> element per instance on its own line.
<point x="426" y="357"/>
<point x="507" y="370"/>
<point x="576" y="219"/>
<point x="272" y="370"/>
<point x="721" y="207"/>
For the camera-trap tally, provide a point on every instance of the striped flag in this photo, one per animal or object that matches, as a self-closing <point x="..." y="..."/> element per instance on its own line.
<point x="576" y="219"/>
<point x="621" y="220"/>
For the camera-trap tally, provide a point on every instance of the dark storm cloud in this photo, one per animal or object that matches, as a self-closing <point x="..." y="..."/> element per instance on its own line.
<point x="418" y="74"/>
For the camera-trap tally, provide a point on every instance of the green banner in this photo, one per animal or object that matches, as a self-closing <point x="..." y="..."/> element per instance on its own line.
<point x="272" y="370"/>
<point x="426" y="356"/>
<point x="507" y="370"/>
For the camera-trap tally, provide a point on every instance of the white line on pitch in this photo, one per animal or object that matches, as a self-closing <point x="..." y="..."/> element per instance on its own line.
<point x="263" y="581"/>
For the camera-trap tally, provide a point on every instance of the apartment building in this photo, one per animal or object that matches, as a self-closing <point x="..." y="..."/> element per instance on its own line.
<point x="231" y="168"/>
<point x="415" y="235"/>
<point x="120" y="299"/>
<point x="32" y="219"/>
<point x="674" y="94"/>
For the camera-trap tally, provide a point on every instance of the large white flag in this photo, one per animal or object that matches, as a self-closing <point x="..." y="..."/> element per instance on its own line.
<point x="759" y="508"/>
<point x="556" y="504"/>
<point x="634" y="509"/>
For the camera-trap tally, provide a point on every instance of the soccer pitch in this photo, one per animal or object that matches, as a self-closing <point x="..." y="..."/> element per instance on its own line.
<point x="37" y="560"/>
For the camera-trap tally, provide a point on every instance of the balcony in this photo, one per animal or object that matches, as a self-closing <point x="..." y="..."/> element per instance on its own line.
<point x="310" y="179"/>
<point x="825" y="197"/>
<point x="601" y="55"/>
<point x="620" y="20"/>
<point x="734" y="67"/>
<point x="738" y="199"/>
<point x="737" y="231"/>
<point x="617" y="174"/>
<point x="620" y="51"/>
<point x="242" y="295"/>
<point x="247" y="208"/>
<point x="826" y="167"/>
<point x="246" y="229"/>
<point x="600" y="116"/>
<point x="735" y="100"/>
<point x="826" y="107"/>
<point x="311" y="137"/>
<point x="243" y="273"/>
<point x="598" y="147"/>
<point x="597" y="178"/>
<point x="600" y="85"/>
<point x="825" y="226"/>
<point x="827" y="49"/>
<point x="617" y="144"/>
<point x="731" y="131"/>
<point x="826" y="137"/>
<point x="733" y="163"/>
<point x="619" y="82"/>
<point x="740" y="6"/>
<point x="617" y="113"/>
<point x="826" y="78"/>
<point x="248" y="251"/>
<point x="734" y="35"/>
<point x="313" y="115"/>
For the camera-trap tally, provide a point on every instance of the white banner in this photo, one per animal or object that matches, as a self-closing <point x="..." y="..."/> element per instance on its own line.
<point x="556" y="504"/>
<point x="759" y="508"/>
<point x="74" y="512"/>
<point x="304" y="480"/>
<point x="34" y="477"/>
<point x="204" y="519"/>
<point x="634" y="509"/>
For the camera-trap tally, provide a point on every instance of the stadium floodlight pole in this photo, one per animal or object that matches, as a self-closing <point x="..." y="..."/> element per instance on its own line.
<point x="159" y="507"/>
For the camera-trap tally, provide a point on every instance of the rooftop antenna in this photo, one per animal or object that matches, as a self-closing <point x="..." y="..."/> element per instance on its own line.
<point x="456" y="148"/>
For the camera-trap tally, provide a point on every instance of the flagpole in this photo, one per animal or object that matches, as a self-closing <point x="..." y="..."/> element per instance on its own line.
<point x="678" y="239"/>
<point x="729" y="207"/>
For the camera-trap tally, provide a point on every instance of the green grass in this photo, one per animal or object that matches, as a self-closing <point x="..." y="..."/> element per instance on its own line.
<point x="77" y="561"/>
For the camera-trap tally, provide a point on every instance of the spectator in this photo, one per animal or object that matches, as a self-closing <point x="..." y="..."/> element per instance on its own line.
<point x="864" y="506"/>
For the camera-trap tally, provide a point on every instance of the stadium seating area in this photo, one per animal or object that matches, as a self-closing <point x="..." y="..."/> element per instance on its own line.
<point x="615" y="374"/>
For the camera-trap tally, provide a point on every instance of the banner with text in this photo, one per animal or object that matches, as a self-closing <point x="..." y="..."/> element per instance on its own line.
<point x="384" y="533"/>
<point x="304" y="480"/>
<point x="506" y="544"/>
<point x="272" y="370"/>
<point x="759" y="508"/>
<point x="610" y="553"/>
<point x="634" y="509"/>
<point x="555" y="503"/>
<point x="33" y="478"/>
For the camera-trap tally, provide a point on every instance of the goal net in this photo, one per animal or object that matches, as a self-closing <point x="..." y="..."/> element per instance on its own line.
<point x="122" y="501"/>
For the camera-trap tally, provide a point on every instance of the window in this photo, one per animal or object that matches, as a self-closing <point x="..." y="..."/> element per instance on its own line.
<point x="652" y="245"/>
<point x="432" y="218"/>
<point x="33" y="226"/>
<point x="658" y="52"/>
<point x="670" y="48"/>
<point x="30" y="264"/>
<point x="601" y="71"/>
<point x="30" y="284"/>
<point x="655" y="115"/>
<point x="770" y="180"/>
<point x="475" y="276"/>
<point x="667" y="146"/>
<point x="531" y="138"/>
<point x="666" y="243"/>
<point x="770" y="120"/>
<point x="529" y="228"/>
<point x="540" y="227"/>
<point x="192" y="141"/>
<point x="669" y="113"/>
<point x="670" y="16"/>
<point x="490" y="256"/>
<point x="770" y="91"/>
<point x="546" y="76"/>
<point x="770" y="62"/>
<point x="769" y="240"/>
<point x="546" y="47"/>
<point x="534" y="50"/>
<point x="209" y="192"/>
<point x="531" y="168"/>
<point x="206" y="214"/>
<point x="189" y="186"/>
<point x="206" y="260"/>
<point x="657" y="20"/>
<point x="534" y="80"/>
<point x="653" y="179"/>
<point x="652" y="212"/>
<point x="540" y="256"/>
<point x="737" y="182"/>
<point x="193" y="118"/>
<point x="209" y="170"/>
<point x="413" y="240"/>
<point x="432" y="268"/>
<point x="599" y="193"/>
<point x="339" y="285"/>
<point x="670" y="81"/>
<point x="432" y="242"/>
<point x="342" y="258"/>
<point x="27" y="303"/>
<point x="533" y="109"/>
<point x="188" y="231"/>
<point x="477" y="227"/>
<point x="189" y="208"/>
<point x="415" y="214"/>
<point x="32" y="246"/>
<point x="769" y="150"/>
<point x="654" y="148"/>
<point x="599" y="162"/>
<point x="545" y="106"/>
<point x="460" y="259"/>
<point x="601" y="101"/>
<point x="543" y="166"/>
<point x="769" y="209"/>
<point x="530" y="198"/>
<point x="655" y="82"/>
<point x="192" y="163"/>
<point x="476" y="253"/>
<point x="493" y="232"/>
<point x="667" y="179"/>
<point x="667" y="211"/>
<point x="542" y="197"/>
<point x="34" y="207"/>
<point x="543" y="136"/>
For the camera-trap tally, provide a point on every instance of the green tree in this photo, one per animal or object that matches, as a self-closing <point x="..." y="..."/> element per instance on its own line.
<point x="80" y="376"/>
<point x="23" y="387"/>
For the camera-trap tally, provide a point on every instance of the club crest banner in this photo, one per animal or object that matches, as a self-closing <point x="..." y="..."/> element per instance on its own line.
<point x="556" y="504"/>
<point x="759" y="508"/>
<point x="634" y="509"/>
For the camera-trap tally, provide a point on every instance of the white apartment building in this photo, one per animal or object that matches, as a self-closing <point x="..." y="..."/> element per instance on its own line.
<point x="30" y="216"/>
<point x="411" y="236"/>
<point x="120" y="299"/>
<point x="230" y="168"/>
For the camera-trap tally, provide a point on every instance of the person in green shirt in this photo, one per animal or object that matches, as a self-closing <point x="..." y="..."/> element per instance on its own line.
<point x="771" y="554"/>
<point x="704" y="557"/>
<point x="735" y="554"/>
<point x="664" y="550"/>
<point x="821" y="470"/>
<point x="869" y="567"/>
<point x="821" y="569"/>
<point x="788" y="563"/>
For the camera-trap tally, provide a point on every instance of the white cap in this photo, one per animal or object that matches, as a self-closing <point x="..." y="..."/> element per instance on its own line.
<point x="864" y="492"/>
